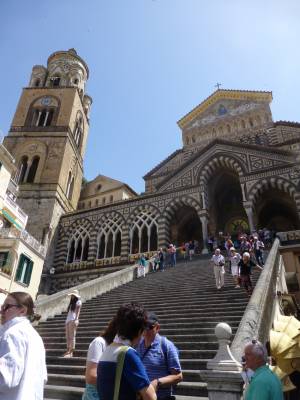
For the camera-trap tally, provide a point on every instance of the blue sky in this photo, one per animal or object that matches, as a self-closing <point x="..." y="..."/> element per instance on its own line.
<point x="151" y="62"/>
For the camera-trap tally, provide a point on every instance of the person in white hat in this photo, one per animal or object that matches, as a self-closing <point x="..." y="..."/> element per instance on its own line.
<point x="235" y="259"/>
<point x="72" y="321"/>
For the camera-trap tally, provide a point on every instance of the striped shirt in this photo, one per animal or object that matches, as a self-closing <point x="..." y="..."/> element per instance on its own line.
<point x="159" y="360"/>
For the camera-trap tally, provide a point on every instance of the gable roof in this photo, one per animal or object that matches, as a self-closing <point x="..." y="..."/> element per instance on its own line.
<point x="162" y="163"/>
<point x="263" y="149"/>
<point x="221" y="94"/>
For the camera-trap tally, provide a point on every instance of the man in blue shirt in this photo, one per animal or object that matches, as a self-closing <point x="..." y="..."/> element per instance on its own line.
<point x="160" y="358"/>
<point x="264" y="384"/>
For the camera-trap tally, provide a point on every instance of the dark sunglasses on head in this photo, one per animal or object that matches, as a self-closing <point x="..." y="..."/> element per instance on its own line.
<point x="6" y="307"/>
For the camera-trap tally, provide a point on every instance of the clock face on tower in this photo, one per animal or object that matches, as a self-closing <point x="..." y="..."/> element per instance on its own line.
<point x="46" y="101"/>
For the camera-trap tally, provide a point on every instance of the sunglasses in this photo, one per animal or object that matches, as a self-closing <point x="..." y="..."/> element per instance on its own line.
<point x="150" y="327"/>
<point x="6" y="307"/>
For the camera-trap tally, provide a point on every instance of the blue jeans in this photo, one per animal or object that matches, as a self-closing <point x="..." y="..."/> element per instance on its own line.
<point x="173" y="259"/>
<point x="90" y="392"/>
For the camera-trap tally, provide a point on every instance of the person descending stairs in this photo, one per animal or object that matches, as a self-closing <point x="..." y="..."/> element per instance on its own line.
<point x="188" y="306"/>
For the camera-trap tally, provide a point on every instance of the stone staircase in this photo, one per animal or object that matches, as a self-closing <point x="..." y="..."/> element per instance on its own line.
<point x="188" y="306"/>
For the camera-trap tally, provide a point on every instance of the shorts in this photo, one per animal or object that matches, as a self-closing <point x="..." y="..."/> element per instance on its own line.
<point x="234" y="270"/>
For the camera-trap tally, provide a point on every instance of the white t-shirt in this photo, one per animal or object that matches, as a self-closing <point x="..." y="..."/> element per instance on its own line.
<point x="217" y="260"/>
<point x="71" y="314"/>
<point x="96" y="349"/>
<point x="235" y="260"/>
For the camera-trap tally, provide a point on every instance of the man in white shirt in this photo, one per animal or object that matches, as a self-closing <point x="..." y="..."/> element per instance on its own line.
<point x="219" y="270"/>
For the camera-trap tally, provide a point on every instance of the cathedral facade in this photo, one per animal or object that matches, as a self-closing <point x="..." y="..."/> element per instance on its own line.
<point x="237" y="171"/>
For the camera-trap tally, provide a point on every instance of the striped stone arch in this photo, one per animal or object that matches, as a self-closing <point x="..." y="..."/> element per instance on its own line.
<point x="169" y="212"/>
<point x="111" y="215"/>
<point x="83" y="222"/>
<point x="109" y="232"/>
<point x="65" y="235"/>
<point x="274" y="183"/>
<point x="142" y="208"/>
<point x="143" y="229"/>
<point x="79" y="240"/>
<point x="220" y="161"/>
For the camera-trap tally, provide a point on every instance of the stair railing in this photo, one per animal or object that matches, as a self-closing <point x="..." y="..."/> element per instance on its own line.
<point x="258" y="317"/>
<point x="49" y="306"/>
<point x="223" y="374"/>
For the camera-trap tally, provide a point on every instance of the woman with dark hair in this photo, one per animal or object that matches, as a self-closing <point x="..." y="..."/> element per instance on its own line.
<point x="72" y="321"/>
<point x="23" y="370"/>
<point x="96" y="349"/>
<point x="130" y="322"/>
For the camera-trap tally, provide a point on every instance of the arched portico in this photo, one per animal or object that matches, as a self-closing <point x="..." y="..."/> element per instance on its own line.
<point x="182" y="221"/>
<point x="275" y="205"/>
<point x="225" y="203"/>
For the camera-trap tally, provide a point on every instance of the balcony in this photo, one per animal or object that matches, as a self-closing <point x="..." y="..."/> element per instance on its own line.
<point x="12" y="188"/>
<point x="13" y="233"/>
<point x="13" y="212"/>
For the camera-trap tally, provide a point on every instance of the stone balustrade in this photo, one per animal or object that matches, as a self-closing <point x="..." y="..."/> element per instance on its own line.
<point x="223" y="374"/>
<point x="48" y="306"/>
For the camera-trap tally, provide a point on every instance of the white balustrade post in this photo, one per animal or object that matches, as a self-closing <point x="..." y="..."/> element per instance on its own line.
<point x="223" y="374"/>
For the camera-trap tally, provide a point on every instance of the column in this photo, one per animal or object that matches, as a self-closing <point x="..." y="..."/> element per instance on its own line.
<point x="204" y="221"/>
<point x="126" y="243"/>
<point x="27" y="171"/>
<point x="249" y="213"/>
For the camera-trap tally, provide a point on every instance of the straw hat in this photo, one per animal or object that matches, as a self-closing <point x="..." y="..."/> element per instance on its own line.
<point x="74" y="293"/>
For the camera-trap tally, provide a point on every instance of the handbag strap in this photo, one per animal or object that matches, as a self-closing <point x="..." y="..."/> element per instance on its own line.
<point x="119" y="370"/>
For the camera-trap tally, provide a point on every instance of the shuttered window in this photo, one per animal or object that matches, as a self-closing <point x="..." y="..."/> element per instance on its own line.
<point x="24" y="270"/>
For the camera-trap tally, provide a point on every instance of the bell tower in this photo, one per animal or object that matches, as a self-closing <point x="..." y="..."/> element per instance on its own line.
<point x="48" y="138"/>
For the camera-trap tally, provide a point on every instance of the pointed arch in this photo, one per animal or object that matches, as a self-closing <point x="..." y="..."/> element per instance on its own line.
<point x="220" y="161"/>
<point x="33" y="169"/>
<point x="78" y="245"/>
<point x="109" y="235"/>
<point x="143" y="226"/>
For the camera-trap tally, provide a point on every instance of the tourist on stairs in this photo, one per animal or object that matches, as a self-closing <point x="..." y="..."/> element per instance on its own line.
<point x="160" y="358"/>
<point x="72" y="321"/>
<point x="96" y="349"/>
<point x="219" y="270"/>
<point x="121" y="374"/>
<point x="234" y="261"/>
<point x="23" y="370"/>
<point x="245" y="269"/>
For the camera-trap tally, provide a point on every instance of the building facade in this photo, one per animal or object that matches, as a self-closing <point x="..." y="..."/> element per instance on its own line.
<point x="104" y="190"/>
<point x="237" y="171"/>
<point x="21" y="255"/>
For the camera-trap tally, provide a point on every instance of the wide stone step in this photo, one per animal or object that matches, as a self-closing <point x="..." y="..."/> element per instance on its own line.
<point x="196" y="322"/>
<point x="66" y="380"/>
<point x="192" y="388"/>
<point x="196" y="345"/>
<point x="190" y="353"/>
<point x="63" y="392"/>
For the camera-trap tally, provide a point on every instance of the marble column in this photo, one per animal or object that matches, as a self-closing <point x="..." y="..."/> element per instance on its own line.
<point x="204" y="222"/>
<point x="249" y="213"/>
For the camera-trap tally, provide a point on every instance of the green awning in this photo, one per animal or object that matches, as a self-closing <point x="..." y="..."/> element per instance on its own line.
<point x="11" y="219"/>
